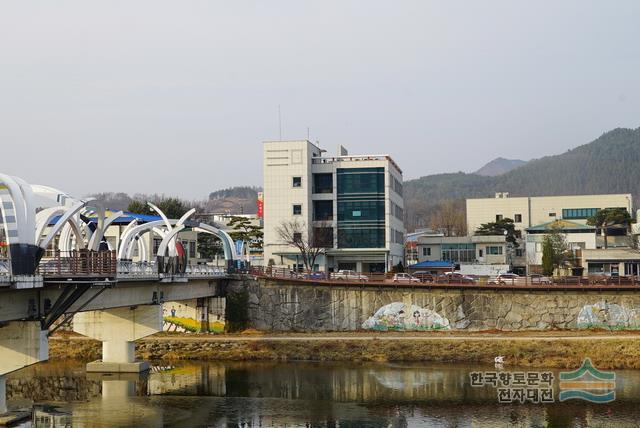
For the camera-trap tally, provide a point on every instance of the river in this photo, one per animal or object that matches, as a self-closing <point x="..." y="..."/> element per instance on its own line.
<point x="299" y="394"/>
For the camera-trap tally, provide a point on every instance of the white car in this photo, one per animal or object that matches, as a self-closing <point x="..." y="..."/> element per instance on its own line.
<point x="349" y="275"/>
<point x="404" y="277"/>
<point x="507" y="279"/>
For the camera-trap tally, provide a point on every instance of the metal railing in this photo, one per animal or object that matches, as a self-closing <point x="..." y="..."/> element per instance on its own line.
<point x="80" y="263"/>
<point x="428" y="280"/>
<point x="5" y="271"/>
<point x="149" y="270"/>
<point x="140" y="270"/>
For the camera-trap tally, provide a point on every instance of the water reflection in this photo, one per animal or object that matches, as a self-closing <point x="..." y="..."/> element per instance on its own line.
<point x="295" y="394"/>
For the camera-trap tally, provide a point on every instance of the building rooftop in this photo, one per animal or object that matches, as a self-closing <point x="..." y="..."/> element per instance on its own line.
<point x="561" y="226"/>
<point x="356" y="158"/>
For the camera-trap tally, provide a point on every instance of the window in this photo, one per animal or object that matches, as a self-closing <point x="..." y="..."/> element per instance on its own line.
<point x="297" y="236"/>
<point x="424" y="251"/>
<point x="156" y="245"/>
<point x="297" y="182"/>
<point x="397" y="211"/>
<point x="517" y="218"/>
<point x="480" y="252"/>
<point x="579" y="213"/>
<point x="322" y="183"/>
<point x="361" y="210"/>
<point x="323" y="210"/>
<point x="459" y="252"/>
<point x="428" y="251"/>
<point x="323" y="237"/>
<point x="498" y="217"/>
<point x="192" y="248"/>
<point x="517" y="234"/>
<point x="297" y="209"/>
<point x="360" y="180"/>
<point x="519" y="252"/>
<point x="361" y="237"/>
<point x="494" y="250"/>
<point x="396" y="185"/>
<point x="552" y="214"/>
<point x="399" y="237"/>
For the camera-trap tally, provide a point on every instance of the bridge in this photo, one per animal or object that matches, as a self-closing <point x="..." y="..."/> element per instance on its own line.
<point x="56" y="263"/>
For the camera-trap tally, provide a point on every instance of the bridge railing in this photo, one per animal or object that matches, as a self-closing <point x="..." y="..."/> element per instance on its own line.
<point x="139" y="270"/>
<point x="128" y="269"/>
<point x="5" y="271"/>
<point x="78" y="263"/>
<point x="195" y="271"/>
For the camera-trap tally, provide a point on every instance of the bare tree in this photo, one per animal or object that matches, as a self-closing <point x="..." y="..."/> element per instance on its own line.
<point x="449" y="218"/>
<point x="310" y="242"/>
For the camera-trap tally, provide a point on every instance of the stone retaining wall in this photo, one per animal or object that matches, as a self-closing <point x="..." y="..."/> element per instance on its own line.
<point x="284" y="306"/>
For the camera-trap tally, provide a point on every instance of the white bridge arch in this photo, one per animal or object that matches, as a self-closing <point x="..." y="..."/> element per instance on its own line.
<point x="33" y="216"/>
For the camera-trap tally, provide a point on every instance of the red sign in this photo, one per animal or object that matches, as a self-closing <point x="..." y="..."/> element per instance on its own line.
<point x="260" y="204"/>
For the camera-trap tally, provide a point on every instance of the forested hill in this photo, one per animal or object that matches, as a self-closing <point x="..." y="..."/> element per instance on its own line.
<point x="610" y="164"/>
<point x="499" y="166"/>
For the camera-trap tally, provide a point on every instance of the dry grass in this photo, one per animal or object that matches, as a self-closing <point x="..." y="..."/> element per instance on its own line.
<point x="619" y="353"/>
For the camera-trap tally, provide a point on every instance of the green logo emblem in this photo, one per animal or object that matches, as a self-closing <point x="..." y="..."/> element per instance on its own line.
<point x="588" y="383"/>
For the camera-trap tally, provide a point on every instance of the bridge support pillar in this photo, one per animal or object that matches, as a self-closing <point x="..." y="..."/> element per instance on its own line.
<point x="22" y="343"/>
<point x="118" y="328"/>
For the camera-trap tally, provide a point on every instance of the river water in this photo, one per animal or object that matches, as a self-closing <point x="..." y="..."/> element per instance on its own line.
<point x="299" y="394"/>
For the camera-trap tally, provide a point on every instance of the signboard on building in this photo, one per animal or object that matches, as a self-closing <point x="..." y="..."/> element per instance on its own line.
<point x="260" y="204"/>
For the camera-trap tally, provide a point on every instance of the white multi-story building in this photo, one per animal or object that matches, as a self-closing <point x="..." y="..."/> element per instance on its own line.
<point x="352" y="204"/>
<point x="535" y="216"/>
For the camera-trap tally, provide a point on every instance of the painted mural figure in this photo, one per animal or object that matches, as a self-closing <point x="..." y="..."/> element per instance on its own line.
<point x="393" y="317"/>
<point x="416" y="317"/>
<point x="607" y="315"/>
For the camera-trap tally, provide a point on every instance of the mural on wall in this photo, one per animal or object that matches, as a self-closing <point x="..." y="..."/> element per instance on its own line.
<point x="398" y="316"/>
<point x="186" y="318"/>
<point x="607" y="315"/>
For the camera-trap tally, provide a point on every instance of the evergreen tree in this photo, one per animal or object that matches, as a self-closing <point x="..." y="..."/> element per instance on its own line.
<point x="547" y="257"/>
<point x="502" y="227"/>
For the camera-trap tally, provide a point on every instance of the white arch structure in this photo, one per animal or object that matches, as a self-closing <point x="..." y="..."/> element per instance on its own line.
<point x="29" y="234"/>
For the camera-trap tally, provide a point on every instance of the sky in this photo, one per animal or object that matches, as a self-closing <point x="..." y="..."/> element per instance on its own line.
<point x="176" y="97"/>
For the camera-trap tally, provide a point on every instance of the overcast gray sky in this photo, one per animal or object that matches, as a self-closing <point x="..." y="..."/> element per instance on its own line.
<point x="176" y="97"/>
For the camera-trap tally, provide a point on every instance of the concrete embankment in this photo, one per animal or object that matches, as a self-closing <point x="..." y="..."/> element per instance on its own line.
<point x="607" y="351"/>
<point x="280" y="306"/>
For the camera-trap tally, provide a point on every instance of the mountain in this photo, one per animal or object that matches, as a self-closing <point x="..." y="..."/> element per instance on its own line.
<point x="609" y="164"/>
<point x="234" y="200"/>
<point x="499" y="166"/>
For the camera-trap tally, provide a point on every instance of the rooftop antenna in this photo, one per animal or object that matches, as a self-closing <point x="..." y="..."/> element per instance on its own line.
<point x="279" y="123"/>
<point x="308" y="139"/>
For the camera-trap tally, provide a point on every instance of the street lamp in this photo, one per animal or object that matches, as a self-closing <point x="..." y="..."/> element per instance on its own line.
<point x="509" y="245"/>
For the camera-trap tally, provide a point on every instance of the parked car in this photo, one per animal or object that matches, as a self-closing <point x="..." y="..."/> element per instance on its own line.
<point x="540" y="279"/>
<point x="424" y="276"/>
<point x="315" y="275"/>
<point x="349" y="275"/>
<point x="507" y="279"/>
<point x="456" y="278"/>
<point x="404" y="277"/>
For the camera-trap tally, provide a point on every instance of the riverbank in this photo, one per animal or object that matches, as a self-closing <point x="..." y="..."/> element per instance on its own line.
<point x="607" y="350"/>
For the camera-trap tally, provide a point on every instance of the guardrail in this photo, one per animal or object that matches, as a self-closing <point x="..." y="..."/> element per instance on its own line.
<point x="5" y="271"/>
<point x="149" y="270"/>
<point x="81" y="263"/>
<point x="374" y="279"/>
